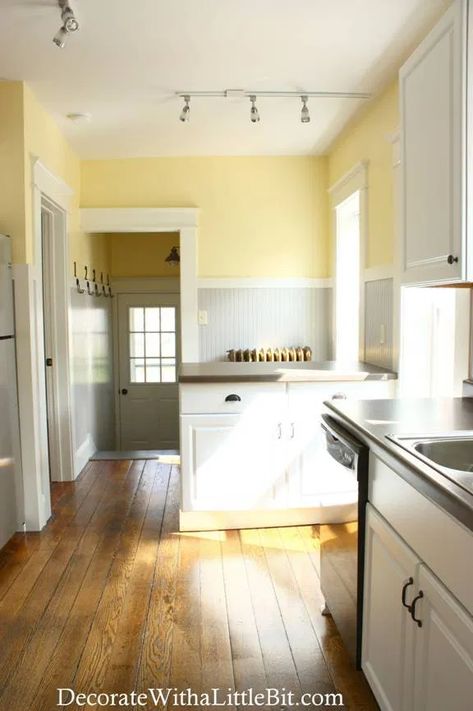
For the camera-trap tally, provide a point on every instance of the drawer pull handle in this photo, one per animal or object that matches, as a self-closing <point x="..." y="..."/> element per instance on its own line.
<point x="413" y="608"/>
<point x="279" y="430"/>
<point x="233" y="398"/>
<point x="404" y="592"/>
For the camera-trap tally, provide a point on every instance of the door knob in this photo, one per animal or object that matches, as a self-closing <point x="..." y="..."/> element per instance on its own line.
<point x="124" y="391"/>
<point x="451" y="259"/>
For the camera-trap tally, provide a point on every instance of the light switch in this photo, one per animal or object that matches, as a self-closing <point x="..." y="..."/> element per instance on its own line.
<point x="203" y="318"/>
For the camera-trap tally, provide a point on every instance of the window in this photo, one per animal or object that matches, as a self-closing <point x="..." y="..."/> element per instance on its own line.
<point x="347" y="288"/>
<point x="152" y="332"/>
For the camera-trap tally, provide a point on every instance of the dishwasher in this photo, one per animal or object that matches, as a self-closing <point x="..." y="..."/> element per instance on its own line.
<point x="342" y="544"/>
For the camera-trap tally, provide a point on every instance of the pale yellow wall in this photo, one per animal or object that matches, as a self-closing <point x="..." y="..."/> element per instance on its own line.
<point x="12" y="177"/>
<point x="44" y="140"/>
<point x="367" y="138"/>
<point x="260" y="216"/>
<point x="142" y="255"/>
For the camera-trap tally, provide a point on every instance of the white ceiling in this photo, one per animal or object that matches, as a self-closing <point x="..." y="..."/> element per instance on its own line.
<point x="129" y="58"/>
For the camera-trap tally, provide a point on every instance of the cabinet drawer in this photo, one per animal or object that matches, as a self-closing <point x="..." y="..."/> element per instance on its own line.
<point x="440" y="541"/>
<point x="212" y="398"/>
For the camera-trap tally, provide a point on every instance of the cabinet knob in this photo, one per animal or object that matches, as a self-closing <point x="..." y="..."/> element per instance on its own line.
<point x="124" y="391"/>
<point x="233" y="398"/>
<point x="339" y="396"/>
<point x="413" y="608"/>
<point x="451" y="259"/>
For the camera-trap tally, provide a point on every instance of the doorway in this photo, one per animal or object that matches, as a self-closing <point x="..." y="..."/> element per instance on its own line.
<point x="347" y="276"/>
<point x="148" y="353"/>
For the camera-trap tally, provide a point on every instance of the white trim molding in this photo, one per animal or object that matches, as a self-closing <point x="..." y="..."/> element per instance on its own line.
<point x="83" y="453"/>
<point x="160" y="219"/>
<point x="264" y="283"/>
<point x="50" y="185"/>
<point x="138" y="219"/>
<point x="383" y="271"/>
<point x="354" y="179"/>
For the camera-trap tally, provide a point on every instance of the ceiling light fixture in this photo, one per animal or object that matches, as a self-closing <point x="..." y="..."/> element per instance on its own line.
<point x="185" y="113"/>
<point x="69" y="24"/>
<point x="174" y="258"/>
<point x="254" y="95"/>
<point x="305" y="115"/>
<point x="254" y="113"/>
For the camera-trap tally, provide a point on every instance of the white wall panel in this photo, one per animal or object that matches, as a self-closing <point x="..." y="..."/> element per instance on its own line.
<point x="265" y="317"/>
<point x="379" y="322"/>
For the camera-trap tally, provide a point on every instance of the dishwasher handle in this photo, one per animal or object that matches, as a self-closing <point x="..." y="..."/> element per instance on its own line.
<point x="341" y="445"/>
<point x="338" y="451"/>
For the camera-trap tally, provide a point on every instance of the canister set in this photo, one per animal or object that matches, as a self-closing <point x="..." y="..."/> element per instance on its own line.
<point x="270" y="355"/>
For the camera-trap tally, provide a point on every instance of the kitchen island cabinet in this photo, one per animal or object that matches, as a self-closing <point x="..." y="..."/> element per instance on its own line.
<point x="253" y="452"/>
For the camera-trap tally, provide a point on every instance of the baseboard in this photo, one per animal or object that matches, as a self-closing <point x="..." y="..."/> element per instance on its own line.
<point x="224" y="520"/>
<point x="83" y="453"/>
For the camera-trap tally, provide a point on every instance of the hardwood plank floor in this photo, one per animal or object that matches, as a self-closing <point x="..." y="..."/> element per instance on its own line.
<point x="111" y="598"/>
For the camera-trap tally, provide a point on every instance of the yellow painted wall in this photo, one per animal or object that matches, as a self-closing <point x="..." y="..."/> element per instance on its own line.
<point x="44" y="140"/>
<point x="260" y="216"/>
<point x="12" y="177"/>
<point x="367" y="138"/>
<point x="142" y="255"/>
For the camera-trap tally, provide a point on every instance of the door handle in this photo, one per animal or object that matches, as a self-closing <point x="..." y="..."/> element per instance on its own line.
<point x="413" y="608"/>
<point x="404" y="591"/>
<point x="49" y="362"/>
<point x="233" y="398"/>
<point x="124" y="391"/>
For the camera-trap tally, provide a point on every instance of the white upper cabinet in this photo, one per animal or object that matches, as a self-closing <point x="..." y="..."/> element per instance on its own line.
<point x="433" y="89"/>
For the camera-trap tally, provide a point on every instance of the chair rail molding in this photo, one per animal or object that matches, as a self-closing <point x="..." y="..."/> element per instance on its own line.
<point x="183" y="220"/>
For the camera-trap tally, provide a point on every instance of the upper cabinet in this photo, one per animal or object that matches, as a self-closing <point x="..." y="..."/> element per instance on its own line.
<point x="433" y="99"/>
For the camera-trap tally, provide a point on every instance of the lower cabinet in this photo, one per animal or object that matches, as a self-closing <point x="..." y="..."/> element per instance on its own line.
<point x="417" y="639"/>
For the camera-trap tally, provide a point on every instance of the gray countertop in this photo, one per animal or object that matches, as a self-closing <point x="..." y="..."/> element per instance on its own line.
<point x="329" y="370"/>
<point x="372" y="420"/>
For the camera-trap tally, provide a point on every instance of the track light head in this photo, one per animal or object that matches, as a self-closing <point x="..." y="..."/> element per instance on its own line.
<point x="70" y="22"/>
<point x="305" y="115"/>
<point x="254" y="113"/>
<point x="60" y="37"/>
<point x="185" y="113"/>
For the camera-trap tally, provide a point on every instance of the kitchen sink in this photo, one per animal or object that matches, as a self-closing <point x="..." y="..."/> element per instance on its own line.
<point x="451" y="455"/>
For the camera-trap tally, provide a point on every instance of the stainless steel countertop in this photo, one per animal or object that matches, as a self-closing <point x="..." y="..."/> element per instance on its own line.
<point x="371" y="420"/>
<point x="314" y="371"/>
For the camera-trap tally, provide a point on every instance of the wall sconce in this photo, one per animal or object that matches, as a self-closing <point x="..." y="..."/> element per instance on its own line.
<point x="174" y="258"/>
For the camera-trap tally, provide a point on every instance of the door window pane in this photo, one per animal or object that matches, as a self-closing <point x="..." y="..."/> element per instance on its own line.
<point x="137" y="319"/>
<point x="152" y="344"/>
<point x="137" y="345"/>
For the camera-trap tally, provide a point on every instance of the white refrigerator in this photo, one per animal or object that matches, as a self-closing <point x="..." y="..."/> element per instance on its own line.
<point x="10" y="466"/>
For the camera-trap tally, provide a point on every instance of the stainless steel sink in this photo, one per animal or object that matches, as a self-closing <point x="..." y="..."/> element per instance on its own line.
<point x="451" y="455"/>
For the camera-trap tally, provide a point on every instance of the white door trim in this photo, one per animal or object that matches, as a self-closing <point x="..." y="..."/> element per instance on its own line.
<point x="30" y="349"/>
<point x="97" y="220"/>
<point x="356" y="180"/>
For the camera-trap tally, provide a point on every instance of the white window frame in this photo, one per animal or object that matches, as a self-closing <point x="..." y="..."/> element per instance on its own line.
<point x="356" y="180"/>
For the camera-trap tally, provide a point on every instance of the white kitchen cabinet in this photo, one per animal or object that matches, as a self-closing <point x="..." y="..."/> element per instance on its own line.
<point x="418" y="659"/>
<point x="444" y="650"/>
<point x="388" y="630"/>
<point x="433" y="88"/>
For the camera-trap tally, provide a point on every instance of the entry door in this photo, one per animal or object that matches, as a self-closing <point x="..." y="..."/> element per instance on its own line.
<point x="149" y="353"/>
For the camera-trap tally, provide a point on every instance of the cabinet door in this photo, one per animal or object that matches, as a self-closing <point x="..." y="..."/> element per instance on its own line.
<point x="387" y="652"/>
<point x="433" y="148"/>
<point x="229" y="462"/>
<point x="314" y="479"/>
<point x="444" y="650"/>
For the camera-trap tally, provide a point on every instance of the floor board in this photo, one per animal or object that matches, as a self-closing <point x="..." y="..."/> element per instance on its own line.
<point x="111" y="598"/>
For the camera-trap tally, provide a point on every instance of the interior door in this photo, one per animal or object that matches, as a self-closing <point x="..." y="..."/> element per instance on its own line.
<point x="149" y="354"/>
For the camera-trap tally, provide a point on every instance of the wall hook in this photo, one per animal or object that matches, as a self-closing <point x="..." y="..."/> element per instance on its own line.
<point x="93" y="275"/>
<point x="96" y="290"/>
<point x="79" y="290"/>
<point x="104" y="291"/>
<point x="86" y="272"/>
<point x="90" y="293"/>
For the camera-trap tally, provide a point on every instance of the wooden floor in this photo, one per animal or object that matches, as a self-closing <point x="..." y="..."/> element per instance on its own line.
<point x="110" y="597"/>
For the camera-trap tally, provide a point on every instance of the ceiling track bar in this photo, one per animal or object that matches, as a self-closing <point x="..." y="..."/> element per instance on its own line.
<point x="276" y="94"/>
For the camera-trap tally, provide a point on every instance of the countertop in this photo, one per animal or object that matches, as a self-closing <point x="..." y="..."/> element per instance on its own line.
<point x="312" y="371"/>
<point x="371" y="420"/>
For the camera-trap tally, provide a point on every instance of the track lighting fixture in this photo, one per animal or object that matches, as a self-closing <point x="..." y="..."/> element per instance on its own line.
<point x="69" y="24"/>
<point x="305" y="115"/>
<point x="185" y="113"/>
<point x="254" y="113"/>
<point x="253" y="95"/>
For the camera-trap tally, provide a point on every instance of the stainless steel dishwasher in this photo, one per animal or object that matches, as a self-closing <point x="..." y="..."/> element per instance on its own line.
<point x="342" y="544"/>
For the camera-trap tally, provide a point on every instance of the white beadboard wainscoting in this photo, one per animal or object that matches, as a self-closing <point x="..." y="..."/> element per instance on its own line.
<point x="379" y="322"/>
<point x="265" y="316"/>
<point x="92" y="376"/>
